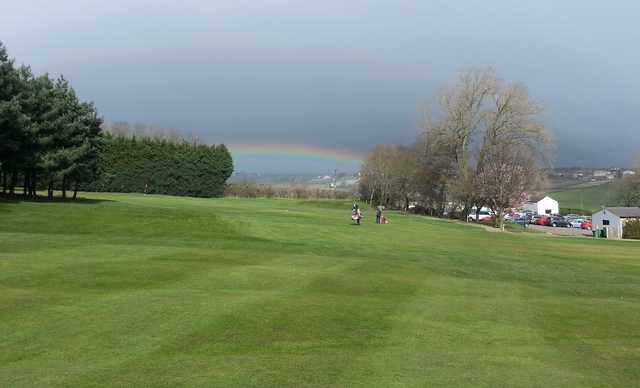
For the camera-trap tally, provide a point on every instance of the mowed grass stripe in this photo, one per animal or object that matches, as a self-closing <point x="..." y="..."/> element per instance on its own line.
<point x="128" y="289"/>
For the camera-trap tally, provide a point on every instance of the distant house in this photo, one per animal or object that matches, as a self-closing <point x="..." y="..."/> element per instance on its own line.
<point x="603" y="174"/>
<point x="545" y="206"/>
<point x="613" y="220"/>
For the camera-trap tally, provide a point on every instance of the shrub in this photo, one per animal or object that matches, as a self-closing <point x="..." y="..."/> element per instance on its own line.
<point x="254" y="190"/>
<point x="632" y="230"/>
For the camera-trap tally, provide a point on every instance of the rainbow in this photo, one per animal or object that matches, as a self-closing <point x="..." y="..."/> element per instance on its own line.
<point x="295" y="150"/>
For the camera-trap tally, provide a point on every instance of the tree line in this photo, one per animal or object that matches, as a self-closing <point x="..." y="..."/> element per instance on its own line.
<point x="627" y="188"/>
<point x="48" y="137"/>
<point x="484" y="145"/>
<point x="153" y="166"/>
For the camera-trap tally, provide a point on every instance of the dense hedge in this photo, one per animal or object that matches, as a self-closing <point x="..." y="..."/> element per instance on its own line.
<point x="161" y="167"/>
<point x="632" y="230"/>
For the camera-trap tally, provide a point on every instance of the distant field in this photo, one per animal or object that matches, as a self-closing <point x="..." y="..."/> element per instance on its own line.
<point x="588" y="198"/>
<point x="134" y="290"/>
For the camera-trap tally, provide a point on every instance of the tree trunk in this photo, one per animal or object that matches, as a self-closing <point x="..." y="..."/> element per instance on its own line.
<point x="465" y="212"/>
<point x="75" y="190"/>
<point x="4" y="181"/>
<point x="64" y="187"/>
<point x="34" y="184"/>
<point x="500" y="219"/>
<point x="25" y="189"/>
<point x="50" y="190"/>
<point x="14" y="182"/>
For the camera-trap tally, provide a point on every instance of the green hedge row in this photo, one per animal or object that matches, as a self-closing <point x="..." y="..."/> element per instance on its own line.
<point x="570" y="210"/>
<point x="160" y="167"/>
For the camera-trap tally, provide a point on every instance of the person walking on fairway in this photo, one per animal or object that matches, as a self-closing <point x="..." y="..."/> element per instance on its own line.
<point x="378" y="213"/>
<point x="356" y="214"/>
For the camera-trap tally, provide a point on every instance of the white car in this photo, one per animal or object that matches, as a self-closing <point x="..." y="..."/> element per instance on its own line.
<point x="482" y="216"/>
<point x="576" y="222"/>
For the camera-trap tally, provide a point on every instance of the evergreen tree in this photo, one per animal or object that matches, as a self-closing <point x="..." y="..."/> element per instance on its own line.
<point x="49" y="138"/>
<point x="45" y="131"/>
<point x="12" y="122"/>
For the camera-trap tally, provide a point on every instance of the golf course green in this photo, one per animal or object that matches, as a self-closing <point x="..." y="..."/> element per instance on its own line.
<point x="135" y="290"/>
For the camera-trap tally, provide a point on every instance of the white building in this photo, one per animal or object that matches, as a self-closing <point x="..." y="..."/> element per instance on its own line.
<point x="545" y="206"/>
<point x="603" y="174"/>
<point x="613" y="219"/>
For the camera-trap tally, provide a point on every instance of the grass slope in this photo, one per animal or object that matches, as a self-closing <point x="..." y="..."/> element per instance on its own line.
<point x="589" y="199"/>
<point x="125" y="290"/>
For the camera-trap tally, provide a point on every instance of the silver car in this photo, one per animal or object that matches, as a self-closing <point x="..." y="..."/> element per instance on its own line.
<point x="576" y="222"/>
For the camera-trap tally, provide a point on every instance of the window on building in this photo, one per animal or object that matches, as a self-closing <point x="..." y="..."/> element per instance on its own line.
<point x="547" y="211"/>
<point x="605" y="222"/>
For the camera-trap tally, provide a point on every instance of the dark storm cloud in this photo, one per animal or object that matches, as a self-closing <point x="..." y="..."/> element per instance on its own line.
<point x="336" y="73"/>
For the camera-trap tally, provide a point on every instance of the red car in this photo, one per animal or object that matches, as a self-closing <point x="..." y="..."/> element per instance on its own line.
<point x="541" y="220"/>
<point x="586" y="225"/>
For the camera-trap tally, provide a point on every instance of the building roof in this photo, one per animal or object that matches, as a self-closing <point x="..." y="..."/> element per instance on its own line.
<point x="538" y="199"/>
<point x="624" y="212"/>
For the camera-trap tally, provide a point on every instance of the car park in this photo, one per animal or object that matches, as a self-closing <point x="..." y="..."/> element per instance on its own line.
<point x="576" y="222"/>
<point x="587" y="225"/>
<point x="557" y="221"/>
<point x="540" y="220"/>
<point x="522" y="219"/>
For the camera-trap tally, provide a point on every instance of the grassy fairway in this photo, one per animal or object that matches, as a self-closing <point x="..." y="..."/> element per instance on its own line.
<point x="127" y="290"/>
<point x="587" y="198"/>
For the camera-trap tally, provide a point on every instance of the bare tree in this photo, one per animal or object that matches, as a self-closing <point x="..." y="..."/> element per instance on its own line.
<point x="628" y="189"/>
<point x="513" y="147"/>
<point x="448" y="141"/>
<point x="173" y="135"/>
<point x="376" y="174"/>
<point x="121" y="129"/>
<point x="404" y="167"/>
<point x="388" y="175"/>
<point x="140" y="130"/>
<point x="486" y="146"/>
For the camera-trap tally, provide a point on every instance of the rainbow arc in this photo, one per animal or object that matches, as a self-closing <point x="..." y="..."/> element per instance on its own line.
<point x="295" y="150"/>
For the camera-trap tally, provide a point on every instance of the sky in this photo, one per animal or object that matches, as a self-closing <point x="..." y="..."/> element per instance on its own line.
<point x="334" y="74"/>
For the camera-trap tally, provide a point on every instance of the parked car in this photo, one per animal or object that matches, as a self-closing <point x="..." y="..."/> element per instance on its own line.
<point x="576" y="222"/>
<point x="482" y="216"/>
<point x="522" y="220"/>
<point x="489" y="220"/>
<point x="557" y="221"/>
<point x="540" y="220"/>
<point x="587" y="225"/>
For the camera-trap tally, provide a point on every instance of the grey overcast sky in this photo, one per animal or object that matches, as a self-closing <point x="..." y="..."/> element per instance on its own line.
<point x="335" y="73"/>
